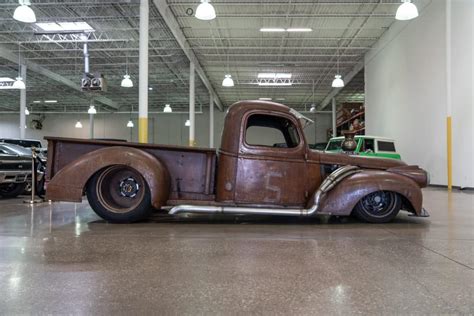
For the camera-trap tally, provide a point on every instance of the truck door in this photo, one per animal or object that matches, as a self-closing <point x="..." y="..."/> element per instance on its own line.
<point x="271" y="161"/>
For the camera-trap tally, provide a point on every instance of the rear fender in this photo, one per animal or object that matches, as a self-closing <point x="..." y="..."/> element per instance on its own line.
<point x="343" y="198"/>
<point x="69" y="183"/>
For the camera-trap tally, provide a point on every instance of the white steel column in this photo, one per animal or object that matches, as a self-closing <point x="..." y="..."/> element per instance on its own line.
<point x="449" y="104"/>
<point x="192" y="140"/>
<point x="143" y="74"/>
<point x="91" y="126"/>
<point x="334" y="129"/>
<point x="211" y="121"/>
<point x="23" y="103"/>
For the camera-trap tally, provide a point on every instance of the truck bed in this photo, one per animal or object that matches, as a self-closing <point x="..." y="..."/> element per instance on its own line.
<point x="192" y="170"/>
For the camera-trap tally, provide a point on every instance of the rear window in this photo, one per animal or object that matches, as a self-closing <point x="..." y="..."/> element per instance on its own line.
<point x="386" y="146"/>
<point x="335" y="145"/>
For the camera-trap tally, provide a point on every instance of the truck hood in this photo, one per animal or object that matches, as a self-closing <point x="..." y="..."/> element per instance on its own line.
<point x="362" y="162"/>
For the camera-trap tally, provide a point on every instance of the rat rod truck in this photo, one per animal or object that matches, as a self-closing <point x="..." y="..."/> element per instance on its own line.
<point x="125" y="181"/>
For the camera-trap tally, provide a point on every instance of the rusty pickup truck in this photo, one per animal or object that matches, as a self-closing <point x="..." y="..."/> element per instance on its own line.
<point x="124" y="182"/>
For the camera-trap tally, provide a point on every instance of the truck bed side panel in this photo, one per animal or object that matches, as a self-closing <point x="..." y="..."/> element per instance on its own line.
<point x="192" y="170"/>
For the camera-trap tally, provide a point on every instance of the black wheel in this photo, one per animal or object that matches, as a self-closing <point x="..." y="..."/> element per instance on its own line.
<point x="378" y="207"/>
<point x="12" y="190"/>
<point x="119" y="194"/>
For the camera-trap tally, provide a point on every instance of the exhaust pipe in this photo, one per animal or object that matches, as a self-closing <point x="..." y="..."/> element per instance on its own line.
<point x="328" y="184"/>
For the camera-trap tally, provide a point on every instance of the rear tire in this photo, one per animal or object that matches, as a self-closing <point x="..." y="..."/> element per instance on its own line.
<point x="12" y="190"/>
<point x="378" y="207"/>
<point x="119" y="194"/>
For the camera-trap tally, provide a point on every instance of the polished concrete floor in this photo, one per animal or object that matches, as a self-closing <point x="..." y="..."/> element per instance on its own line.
<point x="62" y="258"/>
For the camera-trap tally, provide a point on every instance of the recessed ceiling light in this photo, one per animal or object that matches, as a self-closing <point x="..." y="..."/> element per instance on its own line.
<point x="265" y="99"/>
<point x="150" y="88"/>
<point x="51" y="101"/>
<point x="65" y="26"/>
<point x="271" y="29"/>
<point x="299" y="29"/>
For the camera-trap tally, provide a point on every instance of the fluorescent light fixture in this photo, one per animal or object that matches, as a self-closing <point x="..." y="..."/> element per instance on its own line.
<point x="205" y="11"/>
<point x="24" y="13"/>
<point x="299" y="29"/>
<point x="92" y="110"/>
<point x="27" y="112"/>
<point x="272" y="75"/>
<point x="228" y="81"/>
<point x="126" y="82"/>
<point x="406" y="11"/>
<point x="6" y="79"/>
<point x="19" y="84"/>
<point x="265" y="99"/>
<point x="281" y="30"/>
<point x="167" y="108"/>
<point x="51" y="101"/>
<point x="78" y="124"/>
<point x="130" y="124"/>
<point x="337" y="82"/>
<point x="65" y="27"/>
<point x="275" y="84"/>
<point x="187" y="123"/>
<point x="272" y="29"/>
<point x="37" y="101"/>
<point x="280" y="99"/>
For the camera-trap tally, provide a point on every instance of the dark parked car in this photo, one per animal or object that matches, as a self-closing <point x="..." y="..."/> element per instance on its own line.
<point x="15" y="169"/>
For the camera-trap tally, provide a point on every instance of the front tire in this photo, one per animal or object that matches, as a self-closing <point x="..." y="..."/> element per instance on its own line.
<point x="119" y="194"/>
<point x="378" y="207"/>
<point x="12" y="190"/>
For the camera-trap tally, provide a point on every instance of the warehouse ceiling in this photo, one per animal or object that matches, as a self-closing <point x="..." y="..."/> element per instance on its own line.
<point x="342" y="32"/>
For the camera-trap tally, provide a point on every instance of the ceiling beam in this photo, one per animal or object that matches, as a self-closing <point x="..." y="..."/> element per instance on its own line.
<point x="173" y="25"/>
<point x="7" y="54"/>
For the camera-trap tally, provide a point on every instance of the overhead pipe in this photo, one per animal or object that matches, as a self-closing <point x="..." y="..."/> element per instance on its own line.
<point x="328" y="184"/>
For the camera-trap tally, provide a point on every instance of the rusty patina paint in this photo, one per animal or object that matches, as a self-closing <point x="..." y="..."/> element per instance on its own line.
<point x="242" y="174"/>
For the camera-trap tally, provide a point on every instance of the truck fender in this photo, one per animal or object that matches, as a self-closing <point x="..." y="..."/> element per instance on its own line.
<point x="69" y="183"/>
<point x="343" y="198"/>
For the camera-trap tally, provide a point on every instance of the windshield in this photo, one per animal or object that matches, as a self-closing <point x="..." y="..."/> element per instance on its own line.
<point x="335" y="144"/>
<point x="23" y="142"/>
<point x="15" y="150"/>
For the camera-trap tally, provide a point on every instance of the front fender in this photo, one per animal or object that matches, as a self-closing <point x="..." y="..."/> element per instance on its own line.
<point x="343" y="198"/>
<point x="69" y="183"/>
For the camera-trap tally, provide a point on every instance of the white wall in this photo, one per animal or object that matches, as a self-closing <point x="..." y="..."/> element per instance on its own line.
<point x="163" y="128"/>
<point x="406" y="85"/>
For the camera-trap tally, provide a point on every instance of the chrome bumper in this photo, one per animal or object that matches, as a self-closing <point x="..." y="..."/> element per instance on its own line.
<point x="14" y="176"/>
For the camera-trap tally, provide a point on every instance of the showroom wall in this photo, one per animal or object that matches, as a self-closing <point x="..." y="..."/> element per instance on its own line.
<point x="163" y="128"/>
<point x="406" y="90"/>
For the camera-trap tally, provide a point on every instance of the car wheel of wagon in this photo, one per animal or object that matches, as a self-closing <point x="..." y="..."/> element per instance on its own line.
<point x="378" y="207"/>
<point x="119" y="194"/>
<point x="12" y="190"/>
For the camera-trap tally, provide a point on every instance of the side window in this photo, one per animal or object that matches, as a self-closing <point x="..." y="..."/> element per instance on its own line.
<point x="386" y="146"/>
<point x="271" y="131"/>
<point x="368" y="145"/>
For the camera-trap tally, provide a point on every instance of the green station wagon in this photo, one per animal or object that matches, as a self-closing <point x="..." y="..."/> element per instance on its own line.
<point x="369" y="146"/>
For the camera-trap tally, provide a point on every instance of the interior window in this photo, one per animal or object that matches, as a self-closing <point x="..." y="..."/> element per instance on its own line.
<point x="368" y="145"/>
<point x="271" y="131"/>
<point x="386" y="146"/>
